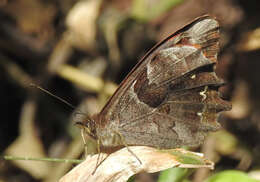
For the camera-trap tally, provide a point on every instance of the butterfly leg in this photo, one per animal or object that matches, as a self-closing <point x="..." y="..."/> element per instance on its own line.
<point x="98" y="163"/>
<point x="127" y="147"/>
<point x="86" y="150"/>
<point x="82" y="132"/>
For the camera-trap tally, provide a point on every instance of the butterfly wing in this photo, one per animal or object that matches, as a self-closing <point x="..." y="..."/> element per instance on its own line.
<point x="170" y="98"/>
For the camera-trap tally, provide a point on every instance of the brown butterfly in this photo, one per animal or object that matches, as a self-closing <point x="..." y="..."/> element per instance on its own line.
<point x="170" y="99"/>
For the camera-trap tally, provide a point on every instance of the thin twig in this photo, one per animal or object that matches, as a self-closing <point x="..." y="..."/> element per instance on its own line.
<point x="75" y="161"/>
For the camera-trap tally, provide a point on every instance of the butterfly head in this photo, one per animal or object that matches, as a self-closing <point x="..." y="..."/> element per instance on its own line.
<point x="89" y="127"/>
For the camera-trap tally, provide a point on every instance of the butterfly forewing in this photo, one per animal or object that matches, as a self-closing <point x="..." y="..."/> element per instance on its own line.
<point x="170" y="98"/>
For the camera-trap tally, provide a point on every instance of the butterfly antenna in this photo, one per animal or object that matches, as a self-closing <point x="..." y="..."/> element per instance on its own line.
<point x="55" y="96"/>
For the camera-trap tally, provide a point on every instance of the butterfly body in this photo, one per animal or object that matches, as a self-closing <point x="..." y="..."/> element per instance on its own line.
<point x="170" y="99"/>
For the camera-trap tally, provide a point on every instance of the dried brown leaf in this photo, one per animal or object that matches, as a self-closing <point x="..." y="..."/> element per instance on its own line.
<point x="250" y="41"/>
<point x="121" y="165"/>
<point x="84" y="80"/>
<point x="28" y="144"/>
<point x="81" y="22"/>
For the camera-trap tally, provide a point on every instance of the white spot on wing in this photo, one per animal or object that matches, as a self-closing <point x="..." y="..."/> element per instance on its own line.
<point x="193" y="77"/>
<point x="203" y="93"/>
<point x="199" y="114"/>
<point x="149" y="69"/>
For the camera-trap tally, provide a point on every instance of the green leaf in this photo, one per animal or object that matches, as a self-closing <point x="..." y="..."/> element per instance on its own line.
<point x="231" y="176"/>
<point x="174" y="174"/>
<point x="189" y="159"/>
<point x="145" y="10"/>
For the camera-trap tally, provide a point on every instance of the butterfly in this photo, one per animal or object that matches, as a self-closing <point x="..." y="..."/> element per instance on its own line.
<point x="170" y="98"/>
